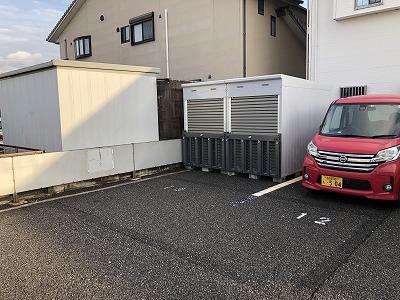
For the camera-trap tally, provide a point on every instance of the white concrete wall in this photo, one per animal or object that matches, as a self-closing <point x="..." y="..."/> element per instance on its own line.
<point x="33" y="172"/>
<point x="361" y="50"/>
<point x="6" y="176"/>
<point x="156" y="154"/>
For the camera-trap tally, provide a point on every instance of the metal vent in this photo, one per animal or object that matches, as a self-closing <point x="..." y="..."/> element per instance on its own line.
<point x="205" y="115"/>
<point x="254" y="115"/>
<point x="353" y="91"/>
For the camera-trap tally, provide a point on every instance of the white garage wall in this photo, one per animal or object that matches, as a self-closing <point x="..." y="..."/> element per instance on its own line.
<point x="30" y="111"/>
<point x="103" y="108"/>
<point x="69" y="105"/>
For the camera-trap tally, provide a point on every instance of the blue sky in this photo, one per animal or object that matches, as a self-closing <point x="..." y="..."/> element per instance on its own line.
<point x="24" y="27"/>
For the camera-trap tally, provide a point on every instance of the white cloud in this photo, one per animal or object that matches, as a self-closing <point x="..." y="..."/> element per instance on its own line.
<point x="24" y="29"/>
<point x="6" y="10"/>
<point x="48" y="12"/>
<point x="22" y="55"/>
<point x="9" y="38"/>
<point x="19" y="59"/>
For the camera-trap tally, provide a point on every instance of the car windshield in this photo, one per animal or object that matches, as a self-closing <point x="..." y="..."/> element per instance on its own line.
<point x="362" y="120"/>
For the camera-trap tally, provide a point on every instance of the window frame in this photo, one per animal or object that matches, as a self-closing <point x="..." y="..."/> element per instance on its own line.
<point x="273" y="26"/>
<point x="261" y="7"/>
<point x="369" y="4"/>
<point x="141" y="20"/>
<point x="85" y="53"/>
<point x="125" y="38"/>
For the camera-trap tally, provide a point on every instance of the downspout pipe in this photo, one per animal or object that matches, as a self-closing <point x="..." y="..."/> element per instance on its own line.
<point x="167" y="42"/>
<point x="244" y="40"/>
<point x="308" y="43"/>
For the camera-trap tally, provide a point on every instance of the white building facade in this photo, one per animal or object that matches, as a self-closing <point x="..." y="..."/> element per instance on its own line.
<point x="354" y="46"/>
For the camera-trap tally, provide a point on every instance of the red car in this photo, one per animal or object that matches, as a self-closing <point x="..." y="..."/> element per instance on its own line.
<point x="357" y="149"/>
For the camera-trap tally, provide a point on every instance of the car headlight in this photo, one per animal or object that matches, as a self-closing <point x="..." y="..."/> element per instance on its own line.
<point x="388" y="154"/>
<point x="312" y="149"/>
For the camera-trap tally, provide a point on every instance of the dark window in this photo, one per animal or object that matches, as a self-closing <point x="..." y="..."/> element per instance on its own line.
<point x="83" y="46"/>
<point x="125" y="34"/>
<point x="273" y="26"/>
<point x="261" y="7"/>
<point x="364" y="3"/>
<point x="142" y="29"/>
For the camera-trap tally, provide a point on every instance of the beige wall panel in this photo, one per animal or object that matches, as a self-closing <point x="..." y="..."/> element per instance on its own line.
<point x="209" y="31"/>
<point x="106" y="108"/>
<point x="30" y="109"/>
<point x="283" y="54"/>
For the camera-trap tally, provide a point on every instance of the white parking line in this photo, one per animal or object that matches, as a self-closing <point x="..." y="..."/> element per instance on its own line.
<point x="276" y="187"/>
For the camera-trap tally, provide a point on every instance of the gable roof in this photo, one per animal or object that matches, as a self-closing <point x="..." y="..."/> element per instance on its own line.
<point x="64" y="20"/>
<point x="77" y="4"/>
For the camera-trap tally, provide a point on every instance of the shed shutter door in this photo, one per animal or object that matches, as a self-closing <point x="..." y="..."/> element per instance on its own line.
<point x="206" y="115"/>
<point x="254" y="115"/>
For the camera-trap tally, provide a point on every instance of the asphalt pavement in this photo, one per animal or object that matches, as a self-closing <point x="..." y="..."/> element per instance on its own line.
<point x="200" y="235"/>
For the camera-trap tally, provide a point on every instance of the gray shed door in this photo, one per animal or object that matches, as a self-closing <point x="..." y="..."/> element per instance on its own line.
<point x="205" y="115"/>
<point x="254" y="115"/>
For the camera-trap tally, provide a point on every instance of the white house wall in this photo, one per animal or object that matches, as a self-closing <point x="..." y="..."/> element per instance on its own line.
<point x="30" y="109"/>
<point x="357" y="51"/>
<point x="343" y="9"/>
<point x="101" y="109"/>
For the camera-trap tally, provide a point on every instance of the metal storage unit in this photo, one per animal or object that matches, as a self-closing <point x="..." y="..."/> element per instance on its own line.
<point x="267" y="123"/>
<point x="68" y="105"/>
<point x="207" y="99"/>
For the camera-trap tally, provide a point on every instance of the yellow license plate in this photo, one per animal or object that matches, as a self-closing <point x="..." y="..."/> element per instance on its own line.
<point x="332" y="181"/>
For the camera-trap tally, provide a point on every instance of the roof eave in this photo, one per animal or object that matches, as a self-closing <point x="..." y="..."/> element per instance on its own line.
<point x="64" y="20"/>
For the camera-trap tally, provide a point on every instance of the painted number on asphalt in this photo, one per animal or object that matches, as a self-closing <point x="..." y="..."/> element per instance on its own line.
<point x="321" y="221"/>
<point x="175" y="189"/>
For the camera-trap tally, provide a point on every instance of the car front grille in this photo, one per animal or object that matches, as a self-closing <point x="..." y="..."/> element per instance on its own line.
<point x="346" y="161"/>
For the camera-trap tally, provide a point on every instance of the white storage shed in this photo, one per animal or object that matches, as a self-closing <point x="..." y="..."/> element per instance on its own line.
<point x="67" y="105"/>
<point x="259" y="125"/>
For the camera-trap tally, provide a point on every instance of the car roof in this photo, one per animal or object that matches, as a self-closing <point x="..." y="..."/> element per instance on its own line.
<point x="369" y="99"/>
